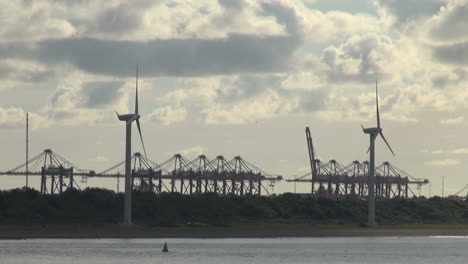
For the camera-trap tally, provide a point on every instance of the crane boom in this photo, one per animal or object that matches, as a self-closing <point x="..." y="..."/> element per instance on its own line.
<point x="463" y="189"/>
<point x="310" y="147"/>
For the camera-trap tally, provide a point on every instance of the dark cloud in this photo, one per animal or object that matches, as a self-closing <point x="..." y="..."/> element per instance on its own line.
<point x="285" y="16"/>
<point x="353" y="7"/>
<point x="98" y="94"/>
<point x="390" y="101"/>
<point x="234" y="54"/>
<point x="452" y="24"/>
<point x="453" y="54"/>
<point x="122" y="18"/>
<point x="406" y="10"/>
<point x="442" y="81"/>
<point x="312" y="101"/>
<point x="14" y="50"/>
<point x="62" y="95"/>
<point x="246" y="86"/>
<point x="235" y="4"/>
<point x="173" y="57"/>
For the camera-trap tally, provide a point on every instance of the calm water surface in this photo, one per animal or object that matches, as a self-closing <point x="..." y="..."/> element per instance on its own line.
<point x="280" y="250"/>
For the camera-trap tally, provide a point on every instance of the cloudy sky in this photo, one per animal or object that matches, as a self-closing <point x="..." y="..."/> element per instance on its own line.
<point x="238" y="77"/>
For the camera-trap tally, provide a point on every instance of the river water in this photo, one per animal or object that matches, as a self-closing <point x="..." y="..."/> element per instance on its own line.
<point x="277" y="250"/>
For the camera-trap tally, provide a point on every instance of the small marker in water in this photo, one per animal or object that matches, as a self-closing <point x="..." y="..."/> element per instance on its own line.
<point x="165" y="249"/>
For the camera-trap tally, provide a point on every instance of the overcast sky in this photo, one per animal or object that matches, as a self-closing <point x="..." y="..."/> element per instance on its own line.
<point x="238" y="77"/>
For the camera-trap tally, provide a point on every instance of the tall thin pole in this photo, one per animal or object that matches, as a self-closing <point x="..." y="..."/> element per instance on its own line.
<point x="430" y="189"/>
<point x="371" y="184"/>
<point x="128" y="177"/>
<point x="27" y="149"/>
<point x="443" y="182"/>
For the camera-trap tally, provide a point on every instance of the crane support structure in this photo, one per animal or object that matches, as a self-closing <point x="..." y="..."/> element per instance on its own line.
<point x="310" y="147"/>
<point x="336" y="180"/>
<point x="57" y="173"/>
<point x="461" y="194"/>
<point x="220" y="175"/>
<point x="177" y="174"/>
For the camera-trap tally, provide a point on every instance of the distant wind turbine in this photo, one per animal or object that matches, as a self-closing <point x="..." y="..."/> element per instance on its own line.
<point x="129" y="118"/>
<point x="373" y="133"/>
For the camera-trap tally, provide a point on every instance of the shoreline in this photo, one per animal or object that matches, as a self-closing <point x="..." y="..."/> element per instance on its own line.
<point x="250" y="231"/>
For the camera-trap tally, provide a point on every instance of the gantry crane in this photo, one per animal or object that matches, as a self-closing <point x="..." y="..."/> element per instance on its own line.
<point x="310" y="147"/>
<point x="462" y="192"/>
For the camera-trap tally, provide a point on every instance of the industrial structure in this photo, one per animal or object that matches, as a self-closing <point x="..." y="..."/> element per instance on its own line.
<point x="461" y="194"/>
<point x="334" y="180"/>
<point x="220" y="175"/>
<point x="223" y="176"/>
<point x="175" y="175"/>
<point x="359" y="179"/>
<point x="57" y="173"/>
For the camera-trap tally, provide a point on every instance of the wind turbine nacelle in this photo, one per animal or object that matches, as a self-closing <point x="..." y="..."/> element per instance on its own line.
<point x="372" y="130"/>
<point x="128" y="117"/>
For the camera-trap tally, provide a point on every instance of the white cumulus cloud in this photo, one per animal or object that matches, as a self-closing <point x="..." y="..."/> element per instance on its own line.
<point x="453" y="121"/>
<point x="168" y="115"/>
<point x="99" y="159"/>
<point x="443" y="162"/>
<point x="192" y="151"/>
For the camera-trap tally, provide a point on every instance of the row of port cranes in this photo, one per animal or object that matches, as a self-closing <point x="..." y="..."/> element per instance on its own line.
<point x="334" y="180"/>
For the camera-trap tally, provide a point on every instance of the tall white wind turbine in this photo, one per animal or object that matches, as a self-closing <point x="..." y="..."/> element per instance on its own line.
<point x="373" y="133"/>
<point x="128" y="119"/>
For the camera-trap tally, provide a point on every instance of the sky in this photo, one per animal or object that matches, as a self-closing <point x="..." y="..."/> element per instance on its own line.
<point x="238" y="77"/>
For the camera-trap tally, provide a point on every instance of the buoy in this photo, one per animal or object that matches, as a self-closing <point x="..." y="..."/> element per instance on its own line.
<point x="165" y="248"/>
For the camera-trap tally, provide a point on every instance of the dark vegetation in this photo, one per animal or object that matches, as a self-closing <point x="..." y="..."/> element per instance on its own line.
<point x="100" y="206"/>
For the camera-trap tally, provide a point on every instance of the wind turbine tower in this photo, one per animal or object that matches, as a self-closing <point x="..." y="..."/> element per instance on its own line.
<point x="128" y="119"/>
<point x="373" y="133"/>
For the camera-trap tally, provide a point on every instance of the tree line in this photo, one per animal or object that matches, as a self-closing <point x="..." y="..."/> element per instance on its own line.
<point x="102" y="206"/>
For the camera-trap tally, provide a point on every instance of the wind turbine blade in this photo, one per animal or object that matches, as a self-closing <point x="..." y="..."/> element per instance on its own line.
<point x="141" y="137"/>
<point x="377" y="104"/>
<point x="136" y="93"/>
<point x="388" y="145"/>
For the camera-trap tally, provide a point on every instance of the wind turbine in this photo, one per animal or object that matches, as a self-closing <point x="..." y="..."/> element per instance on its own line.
<point x="373" y="132"/>
<point x="128" y="119"/>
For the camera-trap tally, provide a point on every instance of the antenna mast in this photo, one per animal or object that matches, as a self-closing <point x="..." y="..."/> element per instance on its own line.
<point x="443" y="182"/>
